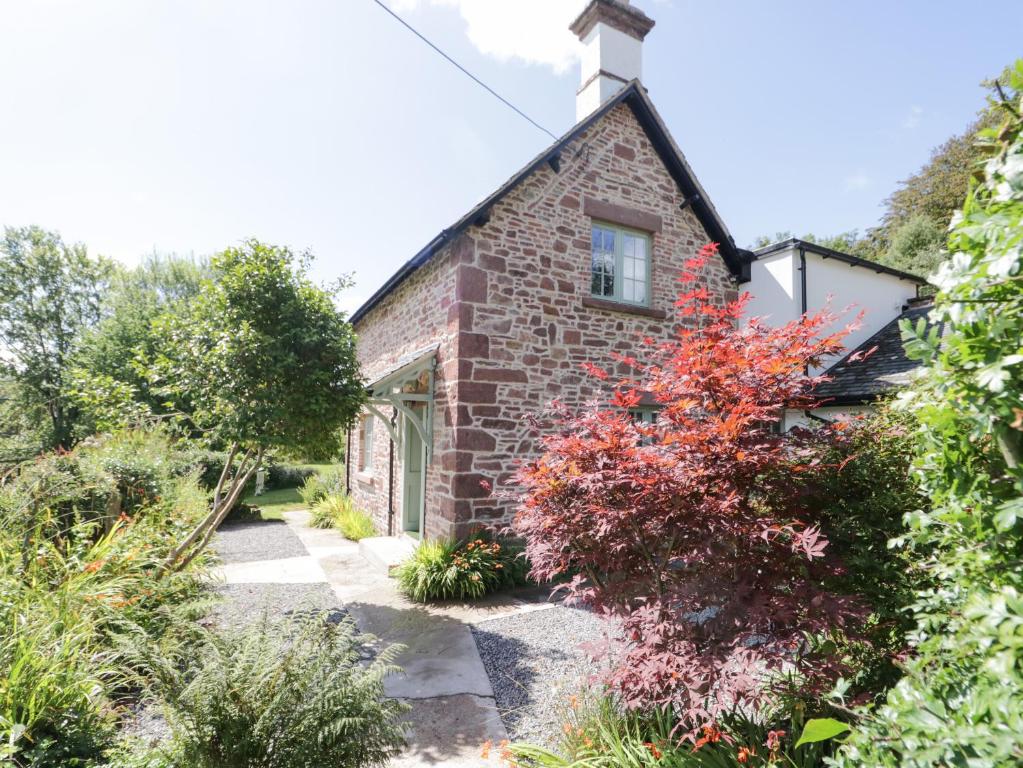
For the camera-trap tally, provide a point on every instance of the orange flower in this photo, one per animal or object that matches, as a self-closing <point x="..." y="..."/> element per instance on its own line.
<point x="653" y="749"/>
<point x="745" y="753"/>
<point x="94" y="566"/>
<point x="711" y="735"/>
<point x="485" y="751"/>
<point x="573" y="701"/>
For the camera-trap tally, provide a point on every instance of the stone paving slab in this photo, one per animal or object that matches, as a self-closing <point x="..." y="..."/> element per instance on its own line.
<point x="454" y="710"/>
<point x="289" y="570"/>
<point x="451" y="731"/>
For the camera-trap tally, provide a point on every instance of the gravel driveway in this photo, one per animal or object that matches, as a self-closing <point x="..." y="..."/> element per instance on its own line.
<point x="535" y="664"/>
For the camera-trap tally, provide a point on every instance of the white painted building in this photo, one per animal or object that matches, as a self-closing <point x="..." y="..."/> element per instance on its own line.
<point x="794" y="277"/>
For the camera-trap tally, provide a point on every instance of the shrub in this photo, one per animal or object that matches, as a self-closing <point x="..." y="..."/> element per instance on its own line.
<point x="451" y="570"/>
<point x="321" y="485"/>
<point x="960" y="700"/>
<point x="340" y="512"/>
<point x="205" y="463"/>
<point x="861" y="489"/>
<point x="295" y="693"/>
<point x="667" y="522"/>
<point x="287" y="475"/>
<point x="74" y="578"/>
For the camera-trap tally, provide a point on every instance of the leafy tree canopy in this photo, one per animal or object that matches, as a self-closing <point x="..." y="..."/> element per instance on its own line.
<point x="263" y="359"/>
<point x="49" y="295"/>
<point x="262" y="354"/>
<point x="110" y="376"/>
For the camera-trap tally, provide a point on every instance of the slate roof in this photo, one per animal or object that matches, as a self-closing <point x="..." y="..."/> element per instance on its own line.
<point x="862" y="380"/>
<point x="407" y="360"/>
<point x="634" y="95"/>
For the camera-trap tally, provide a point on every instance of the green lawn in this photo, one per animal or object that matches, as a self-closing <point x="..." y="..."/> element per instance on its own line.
<point x="273" y="503"/>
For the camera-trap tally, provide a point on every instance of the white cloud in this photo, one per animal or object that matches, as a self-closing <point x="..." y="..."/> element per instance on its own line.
<point x="858" y="180"/>
<point x="530" y="31"/>
<point x="912" y="120"/>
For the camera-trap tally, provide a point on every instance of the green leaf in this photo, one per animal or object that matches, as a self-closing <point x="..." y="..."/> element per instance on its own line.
<point x="821" y="729"/>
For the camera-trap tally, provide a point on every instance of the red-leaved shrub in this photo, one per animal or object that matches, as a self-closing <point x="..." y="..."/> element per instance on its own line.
<point x="667" y="524"/>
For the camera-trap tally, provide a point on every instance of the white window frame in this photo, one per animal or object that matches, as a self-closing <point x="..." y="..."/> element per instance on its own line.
<point x="366" y="445"/>
<point x="647" y="414"/>
<point x="620" y="234"/>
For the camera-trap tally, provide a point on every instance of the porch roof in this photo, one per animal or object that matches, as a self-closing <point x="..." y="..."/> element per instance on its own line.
<point x="405" y="365"/>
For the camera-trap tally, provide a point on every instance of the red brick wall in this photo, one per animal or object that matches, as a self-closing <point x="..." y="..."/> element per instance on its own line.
<point x="506" y="301"/>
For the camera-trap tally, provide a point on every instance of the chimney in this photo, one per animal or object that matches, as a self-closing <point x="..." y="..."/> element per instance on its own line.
<point x="612" y="33"/>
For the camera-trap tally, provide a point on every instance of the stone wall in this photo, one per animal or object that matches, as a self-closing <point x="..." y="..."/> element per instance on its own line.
<point x="415" y="315"/>
<point x="510" y="303"/>
<point x="529" y="274"/>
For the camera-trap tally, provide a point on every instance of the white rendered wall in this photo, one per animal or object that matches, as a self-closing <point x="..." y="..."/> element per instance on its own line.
<point x="830" y="413"/>
<point x="610" y="50"/>
<point x="776" y="290"/>
<point x="880" y="296"/>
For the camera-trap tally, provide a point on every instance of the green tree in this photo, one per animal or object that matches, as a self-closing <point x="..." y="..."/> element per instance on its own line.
<point x="847" y="242"/>
<point x="110" y="382"/>
<point x="960" y="700"/>
<point x="50" y="294"/>
<point x="917" y="245"/>
<point x="264" y="360"/>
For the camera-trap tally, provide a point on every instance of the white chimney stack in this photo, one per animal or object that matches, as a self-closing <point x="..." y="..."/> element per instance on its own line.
<point x="612" y="33"/>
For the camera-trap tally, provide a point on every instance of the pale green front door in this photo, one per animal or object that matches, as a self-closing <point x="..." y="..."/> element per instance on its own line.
<point x="412" y="492"/>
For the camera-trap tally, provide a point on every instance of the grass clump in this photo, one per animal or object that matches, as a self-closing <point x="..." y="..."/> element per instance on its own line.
<point x="600" y="733"/>
<point x="340" y="512"/>
<point x="286" y="694"/>
<point x="321" y="485"/>
<point x="455" y="570"/>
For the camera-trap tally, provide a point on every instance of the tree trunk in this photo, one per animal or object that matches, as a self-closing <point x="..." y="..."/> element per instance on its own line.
<point x="236" y="489"/>
<point x="217" y="513"/>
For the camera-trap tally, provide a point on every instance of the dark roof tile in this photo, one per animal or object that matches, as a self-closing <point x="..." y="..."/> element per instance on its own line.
<point x="855" y="380"/>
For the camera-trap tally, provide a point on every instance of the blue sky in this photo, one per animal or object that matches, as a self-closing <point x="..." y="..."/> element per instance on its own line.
<point x="188" y="125"/>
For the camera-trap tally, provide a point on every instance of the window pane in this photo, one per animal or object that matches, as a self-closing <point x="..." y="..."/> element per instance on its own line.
<point x="639" y="292"/>
<point x="602" y="262"/>
<point x="634" y="269"/>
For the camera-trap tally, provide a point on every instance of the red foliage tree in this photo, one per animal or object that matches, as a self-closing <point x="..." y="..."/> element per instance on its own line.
<point x="683" y="529"/>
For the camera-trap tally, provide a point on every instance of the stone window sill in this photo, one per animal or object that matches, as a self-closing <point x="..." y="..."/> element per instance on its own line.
<point x="629" y="309"/>
<point x="364" y="477"/>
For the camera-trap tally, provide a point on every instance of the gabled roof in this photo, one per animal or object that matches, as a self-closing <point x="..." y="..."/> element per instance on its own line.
<point x="831" y="253"/>
<point x="855" y="380"/>
<point x="633" y="95"/>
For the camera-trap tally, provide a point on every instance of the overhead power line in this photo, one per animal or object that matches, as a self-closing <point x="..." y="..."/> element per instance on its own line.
<point x="475" y="79"/>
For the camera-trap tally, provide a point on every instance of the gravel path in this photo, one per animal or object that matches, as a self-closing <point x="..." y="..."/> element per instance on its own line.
<point x="244" y="603"/>
<point x="535" y="664"/>
<point x="262" y="540"/>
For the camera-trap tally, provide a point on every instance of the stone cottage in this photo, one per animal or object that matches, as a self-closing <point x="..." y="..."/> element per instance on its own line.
<point x="575" y="257"/>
